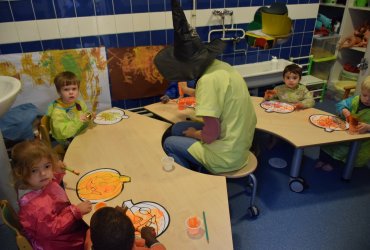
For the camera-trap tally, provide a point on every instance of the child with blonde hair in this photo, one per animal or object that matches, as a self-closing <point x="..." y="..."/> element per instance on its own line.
<point x="68" y="115"/>
<point x="48" y="218"/>
<point x="291" y="91"/>
<point x="357" y="107"/>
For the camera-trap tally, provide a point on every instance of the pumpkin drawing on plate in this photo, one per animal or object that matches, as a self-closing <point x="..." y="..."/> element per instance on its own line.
<point x="147" y="213"/>
<point x="101" y="185"/>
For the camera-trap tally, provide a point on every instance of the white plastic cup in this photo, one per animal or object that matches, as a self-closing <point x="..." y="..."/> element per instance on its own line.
<point x="168" y="163"/>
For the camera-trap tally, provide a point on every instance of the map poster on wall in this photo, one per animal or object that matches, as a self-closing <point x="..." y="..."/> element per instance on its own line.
<point x="133" y="74"/>
<point x="37" y="70"/>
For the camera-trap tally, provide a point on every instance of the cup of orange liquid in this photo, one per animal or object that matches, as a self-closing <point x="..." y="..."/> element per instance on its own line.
<point x="181" y="104"/>
<point x="353" y="123"/>
<point x="193" y="225"/>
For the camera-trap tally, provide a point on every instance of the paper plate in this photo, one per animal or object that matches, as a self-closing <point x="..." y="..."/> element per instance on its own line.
<point x="278" y="107"/>
<point x="278" y="162"/>
<point x="110" y="116"/>
<point x="329" y="122"/>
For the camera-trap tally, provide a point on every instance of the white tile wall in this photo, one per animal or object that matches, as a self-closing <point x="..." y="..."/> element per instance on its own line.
<point x="141" y="22"/>
<point x="8" y="33"/>
<point x="106" y="25"/>
<point x="124" y="23"/>
<point x="95" y="25"/>
<point x="87" y="26"/>
<point x="27" y="31"/>
<point x="68" y="27"/>
<point x="48" y="29"/>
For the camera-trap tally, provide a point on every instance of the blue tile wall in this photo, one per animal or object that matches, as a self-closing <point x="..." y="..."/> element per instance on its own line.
<point x="299" y="44"/>
<point x="84" y="8"/>
<point x="22" y="10"/>
<point x="31" y="46"/>
<point x="104" y="7"/>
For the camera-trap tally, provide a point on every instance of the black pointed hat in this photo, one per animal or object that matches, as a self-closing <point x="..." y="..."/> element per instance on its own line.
<point x="188" y="58"/>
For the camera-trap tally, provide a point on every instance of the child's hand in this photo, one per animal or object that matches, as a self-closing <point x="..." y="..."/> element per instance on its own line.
<point x="269" y="94"/>
<point x="346" y="113"/>
<point x="298" y="106"/>
<point x="193" y="133"/>
<point x="85" y="207"/>
<point x="60" y="167"/>
<point x="84" y="117"/>
<point x="363" y="128"/>
<point x="149" y="235"/>
<point x="165" y="99"/>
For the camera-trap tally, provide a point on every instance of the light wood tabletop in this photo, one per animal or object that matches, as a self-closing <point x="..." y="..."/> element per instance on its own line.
<point x="294" y="127"/>
<point x="133" y="147"/>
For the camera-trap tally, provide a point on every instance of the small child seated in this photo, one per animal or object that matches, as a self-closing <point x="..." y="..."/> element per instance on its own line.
<point x="112" y="229"/>
<point x="178" y="89"/>
<point x="48" y="218"/>
<point x="356" y="106"/>
<point x="291" y="91"/>
<point x="68" y="116"/>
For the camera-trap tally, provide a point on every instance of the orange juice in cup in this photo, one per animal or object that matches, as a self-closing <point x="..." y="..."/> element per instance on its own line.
<point x="353" y="123"/>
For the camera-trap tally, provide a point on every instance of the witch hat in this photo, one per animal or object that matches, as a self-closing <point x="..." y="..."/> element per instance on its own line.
<point x="188" y="58"/>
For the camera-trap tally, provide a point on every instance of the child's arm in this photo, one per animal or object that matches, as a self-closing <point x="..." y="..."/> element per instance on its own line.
<point x="308" y="101"/>
<point x="186" y="90"/>
<point x="344" y="107"/>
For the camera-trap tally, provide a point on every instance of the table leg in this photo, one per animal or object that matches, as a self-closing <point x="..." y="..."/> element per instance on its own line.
<point x="296" y="184"/>
<point x="296" y="162"/>
<point x="351" y="158"/>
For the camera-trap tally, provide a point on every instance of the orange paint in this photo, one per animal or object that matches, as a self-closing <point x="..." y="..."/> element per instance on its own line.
<point x="100" y="205"/>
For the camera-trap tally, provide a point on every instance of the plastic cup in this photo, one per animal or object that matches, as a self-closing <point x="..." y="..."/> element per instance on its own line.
<point x="168" y="163"/>
<point x="193" y="225"/>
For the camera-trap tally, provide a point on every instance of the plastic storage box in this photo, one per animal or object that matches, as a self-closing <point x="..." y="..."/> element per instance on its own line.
<point x="321" y="67"/>
<point x="324" y="46"/>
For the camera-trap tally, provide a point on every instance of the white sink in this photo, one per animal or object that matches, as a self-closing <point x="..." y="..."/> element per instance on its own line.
<point x="262" y="73"/>
<point x="9" y="88"/>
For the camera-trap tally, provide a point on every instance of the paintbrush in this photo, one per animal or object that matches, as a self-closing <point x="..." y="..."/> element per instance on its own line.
<point x="74" y="171"/>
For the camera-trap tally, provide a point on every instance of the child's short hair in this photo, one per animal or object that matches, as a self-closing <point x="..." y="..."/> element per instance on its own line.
<point x="366" y="84"/>
<point x="293" y="68"/>
<point x="64" y="79"/>
<point x="25" y="155"/>
<point x="111" y="229"/>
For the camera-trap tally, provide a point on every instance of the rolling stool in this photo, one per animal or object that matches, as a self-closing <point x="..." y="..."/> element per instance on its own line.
<point x="247" y="170"/>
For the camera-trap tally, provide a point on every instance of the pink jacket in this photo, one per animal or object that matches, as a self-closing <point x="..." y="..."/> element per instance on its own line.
<point x="49" y="220"/>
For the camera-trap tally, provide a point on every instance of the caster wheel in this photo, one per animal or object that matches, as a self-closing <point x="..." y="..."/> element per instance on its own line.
<point x="297" y="185"/>
<point x="253" y="211"/>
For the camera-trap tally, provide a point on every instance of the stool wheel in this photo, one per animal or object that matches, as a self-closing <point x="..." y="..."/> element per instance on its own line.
<point x="253" y="211"/>
<point x="297" y="185"/>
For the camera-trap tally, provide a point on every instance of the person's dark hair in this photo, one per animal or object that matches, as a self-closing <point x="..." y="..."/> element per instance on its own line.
<point x="111" y="229"/>
<point x="293" y="68"/>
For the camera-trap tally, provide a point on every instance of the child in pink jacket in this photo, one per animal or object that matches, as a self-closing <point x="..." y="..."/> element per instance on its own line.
<point x="48" y="219"/>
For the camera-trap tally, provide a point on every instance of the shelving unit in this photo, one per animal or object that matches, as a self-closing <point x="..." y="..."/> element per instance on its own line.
<point x="350" y="17"/>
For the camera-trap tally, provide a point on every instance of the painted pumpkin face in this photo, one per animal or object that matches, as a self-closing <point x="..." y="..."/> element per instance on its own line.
<point x="101" y="185"/>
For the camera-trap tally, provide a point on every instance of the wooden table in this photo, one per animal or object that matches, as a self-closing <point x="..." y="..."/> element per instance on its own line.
<point x="133" y="147"/>
<point x="293" y="127"/>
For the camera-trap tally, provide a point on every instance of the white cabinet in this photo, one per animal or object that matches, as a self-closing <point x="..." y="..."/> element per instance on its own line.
<point x="351" y="18"/>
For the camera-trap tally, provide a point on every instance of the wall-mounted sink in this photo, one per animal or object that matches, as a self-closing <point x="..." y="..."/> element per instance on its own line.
<point x="9" y="88"/>
<point x="262" y="73"/>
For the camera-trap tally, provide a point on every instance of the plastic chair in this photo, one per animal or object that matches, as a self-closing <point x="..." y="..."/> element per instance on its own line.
<point x="44" y="130"/>
<point x="10" y="219"/>
<point x="247" y="170"/>
<point x="314" y="84"/>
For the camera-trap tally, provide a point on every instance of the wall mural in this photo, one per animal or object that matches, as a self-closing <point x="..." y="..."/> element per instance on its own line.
<point x="133" y="74"/>
<point x="37" y="70"/>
